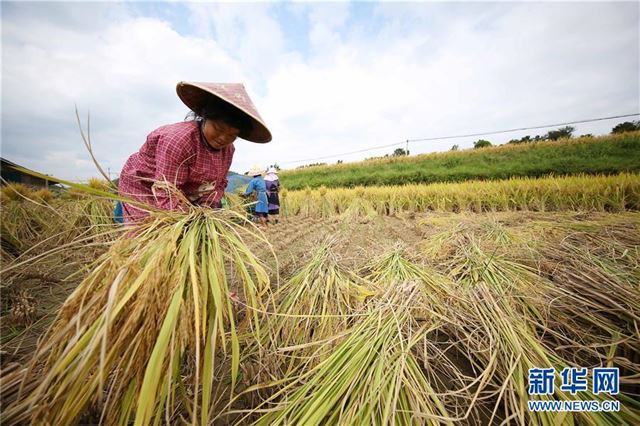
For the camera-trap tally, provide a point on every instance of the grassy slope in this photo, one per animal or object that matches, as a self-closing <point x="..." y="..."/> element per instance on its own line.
<point x="605" y="154"/>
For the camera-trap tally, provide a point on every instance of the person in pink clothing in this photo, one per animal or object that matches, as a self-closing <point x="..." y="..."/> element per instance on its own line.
<point x="194" y="155"/>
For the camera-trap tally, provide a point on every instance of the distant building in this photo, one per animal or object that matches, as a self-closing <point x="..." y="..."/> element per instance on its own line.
<point x="10" y="173"/>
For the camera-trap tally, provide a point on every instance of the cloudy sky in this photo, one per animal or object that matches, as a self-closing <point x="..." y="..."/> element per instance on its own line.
<point x="327" y="78"/>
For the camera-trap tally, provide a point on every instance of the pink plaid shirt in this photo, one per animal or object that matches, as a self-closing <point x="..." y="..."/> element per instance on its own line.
<point x="175" y="153"/>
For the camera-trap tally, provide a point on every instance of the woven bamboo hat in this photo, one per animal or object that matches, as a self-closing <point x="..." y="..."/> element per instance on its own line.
<point x="255" y="170"/>
<point x="198" y="95"/>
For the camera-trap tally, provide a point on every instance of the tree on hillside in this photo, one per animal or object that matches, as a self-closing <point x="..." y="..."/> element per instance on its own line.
<point x="627" y="126"/>
<point x="561" y="133"/>
<point x="304" y="166"/>
<point x="524" y="139"/>
<point x="482" y="143"/>
<point x="399" y="152"/>
<point x="455" y="148"/>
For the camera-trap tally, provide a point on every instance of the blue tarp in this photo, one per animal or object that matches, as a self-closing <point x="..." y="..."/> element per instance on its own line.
<point x="236" y="181"/>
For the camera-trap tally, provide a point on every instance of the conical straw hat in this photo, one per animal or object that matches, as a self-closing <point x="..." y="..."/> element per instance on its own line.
<point x="198" y="95"/>
<point x="255" y="170"/>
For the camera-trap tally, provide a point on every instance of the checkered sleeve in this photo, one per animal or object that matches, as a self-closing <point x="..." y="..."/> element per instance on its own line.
<point x="173" y="158"/>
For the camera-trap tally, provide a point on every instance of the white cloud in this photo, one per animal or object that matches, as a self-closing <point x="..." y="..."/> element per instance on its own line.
<point x="124" y="75"/>
<point x="247" y="32"/>
<point x="326" y="78"/>
<point x="525" y="65"/>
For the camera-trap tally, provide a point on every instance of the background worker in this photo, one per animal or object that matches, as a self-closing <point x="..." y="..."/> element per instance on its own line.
<point x="194" y="155"/>
<point x="257" y="184"/>
<point x="273" y="185"/>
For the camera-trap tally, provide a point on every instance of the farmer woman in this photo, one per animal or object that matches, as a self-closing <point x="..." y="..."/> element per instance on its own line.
<point x="257" y="184"/>
<point x="192" y="156"/>
<point x="273" y="185"/>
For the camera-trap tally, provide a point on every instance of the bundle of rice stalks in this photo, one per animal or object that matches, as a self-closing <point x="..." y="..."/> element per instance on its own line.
<point x="371" y="377"/>
<point x="360" y="210"/>
<point x="89" y="216"/>
<point x="234" y="202"/>
<point x="445" y="234"/>
<point x="601" y="279"/>
<point x="314" y="305"/>
<point x="10" y="246"/>
<point x="24" y="223"/>
<point x="4" y="198"/>
<point x="311" y="310"/>
<point x="325" y="207"/>
<point x="395" y="266"/>
<point x="441" y="356"/>
<point x="61" y="229"/>
<point x="284" y="203"/>
<point x="49" y="222"/>
<point x="515" y="320"/>
<point x="306" y="205"/>
<point x="16" y="191"/>
<point x="43" y="195"/>
<point x="101" y="184"/>
<point x="144" y="334"/>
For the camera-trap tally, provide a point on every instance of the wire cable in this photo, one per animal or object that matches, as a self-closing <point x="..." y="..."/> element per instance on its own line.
<point x="406" y="141"/>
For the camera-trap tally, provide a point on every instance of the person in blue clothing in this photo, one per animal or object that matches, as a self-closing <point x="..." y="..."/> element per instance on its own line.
<point x="117" y="213"/>
<point x="258" y="185"/>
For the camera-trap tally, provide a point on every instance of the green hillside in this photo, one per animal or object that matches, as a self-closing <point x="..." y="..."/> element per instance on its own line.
<point x="588" y="155"/>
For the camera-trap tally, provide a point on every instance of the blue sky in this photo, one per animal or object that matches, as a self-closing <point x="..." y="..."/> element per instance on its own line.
<point x="327" y="78"/>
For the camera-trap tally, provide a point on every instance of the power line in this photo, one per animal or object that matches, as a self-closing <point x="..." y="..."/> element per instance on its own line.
<point x="406" y="141"/>
<point x="525" y="128"/>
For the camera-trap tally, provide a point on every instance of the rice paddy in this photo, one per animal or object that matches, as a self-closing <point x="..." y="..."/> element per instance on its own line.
<point x="378" y="305"/>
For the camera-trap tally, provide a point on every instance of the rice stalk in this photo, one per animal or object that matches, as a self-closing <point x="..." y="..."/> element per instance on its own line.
<point x="395" y="266"/>
<point x="141" y="336"/>
<point x="16" y="191"/>
<point x="314" y="305"/>
<point x="441" y="357"/>
<point x="602" y="282"/>
<point x="325" y="208"/>
<point x="371" y="377"/>
<point x="553" y="193"/>
<point x="360" y="210"/>
<point x="510" y="324"/>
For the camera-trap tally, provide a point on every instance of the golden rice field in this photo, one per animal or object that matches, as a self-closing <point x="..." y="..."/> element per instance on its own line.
<point x="390" y="305"/>
<point x="594" y="193"/>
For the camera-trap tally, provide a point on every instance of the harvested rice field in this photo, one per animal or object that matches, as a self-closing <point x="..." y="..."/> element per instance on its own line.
<point x="361" y="316"/>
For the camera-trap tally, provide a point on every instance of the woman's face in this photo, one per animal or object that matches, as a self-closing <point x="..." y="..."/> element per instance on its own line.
<point x="219" y="134"/>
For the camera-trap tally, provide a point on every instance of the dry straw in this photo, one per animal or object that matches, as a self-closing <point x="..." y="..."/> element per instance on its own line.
<point x="371" y="377"/>
<point x="141" y="337"/>
<point x="314" y="305"/>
